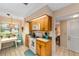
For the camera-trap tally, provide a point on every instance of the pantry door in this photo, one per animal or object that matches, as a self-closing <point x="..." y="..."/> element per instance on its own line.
<point x="73" y="35"/>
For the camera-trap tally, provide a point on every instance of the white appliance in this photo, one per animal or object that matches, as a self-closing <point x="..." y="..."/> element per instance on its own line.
<point x="32" y="44"/>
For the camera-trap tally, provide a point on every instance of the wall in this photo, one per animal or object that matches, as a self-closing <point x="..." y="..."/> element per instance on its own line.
<point x="63" y="36"/>
<point x="26" y="31"/>
<point x="57" y="29"/>
<point x="26" y="28"/>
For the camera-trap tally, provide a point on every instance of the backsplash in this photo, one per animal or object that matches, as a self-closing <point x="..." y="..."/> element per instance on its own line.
<point x="38" y="33"/>
<point x="41" y="33"/>
<point x="50" y="34"/>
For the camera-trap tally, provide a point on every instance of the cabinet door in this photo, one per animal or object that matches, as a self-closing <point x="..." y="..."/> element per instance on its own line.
<point x="38" y="49"/>
<point x="41" y="22"/>
<point x="45" y="23"/>
<point x="43" y="50"/>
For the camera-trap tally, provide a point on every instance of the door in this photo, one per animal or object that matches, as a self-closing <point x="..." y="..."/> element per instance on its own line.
<point x="73" y="35"/>
<point x="38" y="49"/>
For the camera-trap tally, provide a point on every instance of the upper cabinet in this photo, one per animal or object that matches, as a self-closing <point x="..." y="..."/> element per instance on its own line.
<point x="43" y="23"/>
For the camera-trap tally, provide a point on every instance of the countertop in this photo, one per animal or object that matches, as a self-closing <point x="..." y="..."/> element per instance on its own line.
<point x="42" y="39"/>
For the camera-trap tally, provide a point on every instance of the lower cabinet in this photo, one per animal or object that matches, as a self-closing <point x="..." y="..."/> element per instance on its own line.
<point x="43" y="48"/>
<point x="38" y="49"/>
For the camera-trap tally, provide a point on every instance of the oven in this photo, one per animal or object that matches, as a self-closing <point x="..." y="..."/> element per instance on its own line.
<point x="32" y="45"/>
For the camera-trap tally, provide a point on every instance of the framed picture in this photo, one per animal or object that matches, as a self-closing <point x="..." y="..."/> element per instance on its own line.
<point x="36" y="26"/>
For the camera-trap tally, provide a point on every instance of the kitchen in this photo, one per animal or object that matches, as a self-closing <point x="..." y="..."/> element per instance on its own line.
<point x="40" y="32"/>
<point x="39" y="39"/>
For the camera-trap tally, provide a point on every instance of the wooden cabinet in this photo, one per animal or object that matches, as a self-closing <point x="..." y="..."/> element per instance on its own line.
<point x="43" y="48"/>
<point x="47" y="23"/>
<point x="38" y="49"/>
<point x="44" y="21"/>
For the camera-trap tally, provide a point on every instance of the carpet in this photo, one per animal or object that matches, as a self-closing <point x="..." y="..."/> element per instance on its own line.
<point x="29" y="53"/>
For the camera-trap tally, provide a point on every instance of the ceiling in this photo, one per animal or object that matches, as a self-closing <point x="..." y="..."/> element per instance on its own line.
<point x="57" y="6"/>
<point x="19" y="10"/>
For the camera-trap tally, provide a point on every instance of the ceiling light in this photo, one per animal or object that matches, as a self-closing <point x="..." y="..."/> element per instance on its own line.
<point x="25" y="3"/>
<point x="8" y="14"/>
